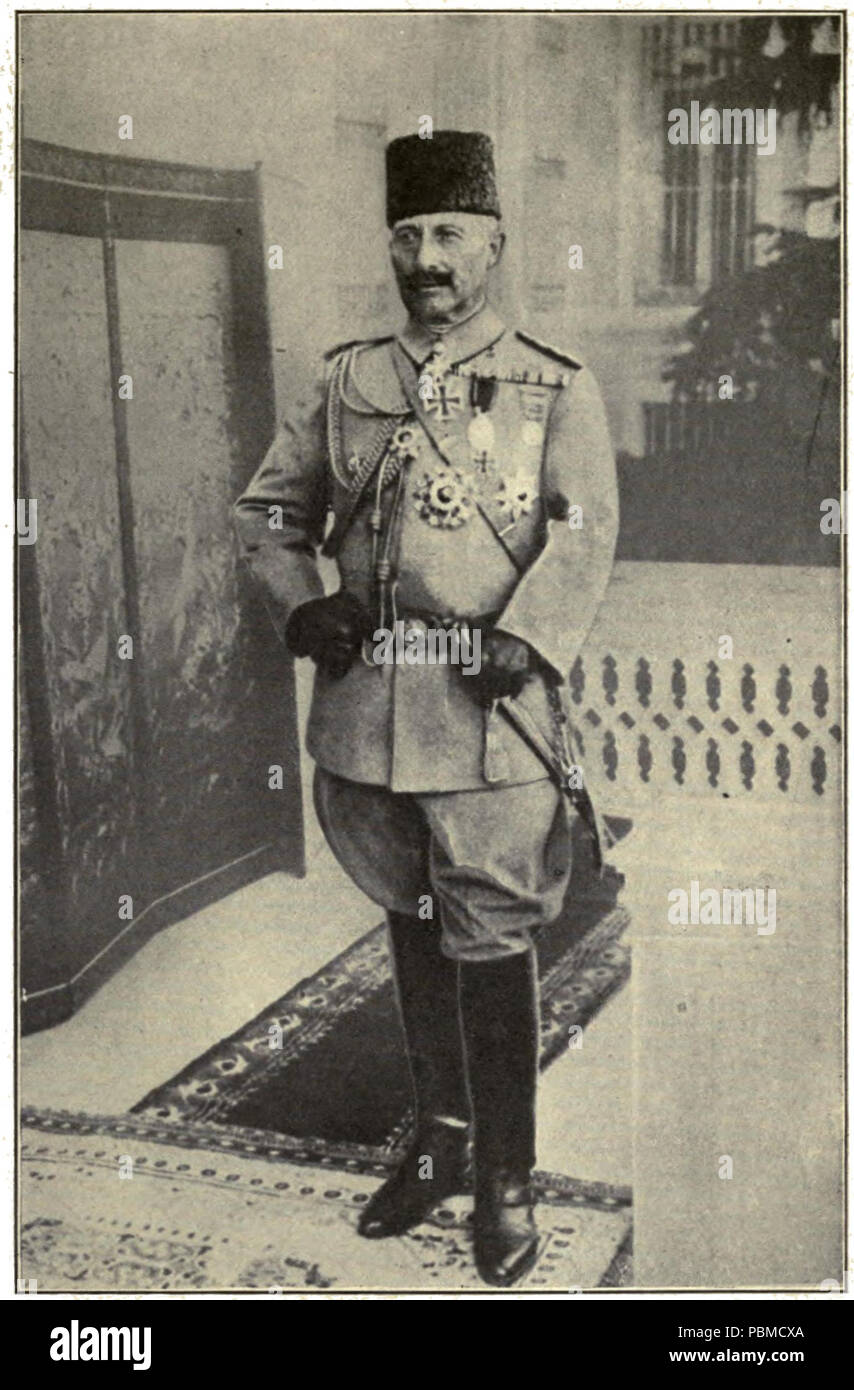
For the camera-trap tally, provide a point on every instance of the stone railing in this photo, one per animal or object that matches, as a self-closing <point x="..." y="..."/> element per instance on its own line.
<point x="658" y="710"/>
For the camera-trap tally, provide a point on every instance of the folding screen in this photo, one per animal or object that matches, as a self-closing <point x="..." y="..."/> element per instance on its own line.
<point x="146" y="404"/>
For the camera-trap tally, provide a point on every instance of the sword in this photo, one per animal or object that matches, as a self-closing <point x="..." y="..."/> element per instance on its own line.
<point x="557" y="768"/>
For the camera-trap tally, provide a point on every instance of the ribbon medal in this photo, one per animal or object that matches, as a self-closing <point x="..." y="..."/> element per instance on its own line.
<point x="535" y="404"/>
<point x="481" y="437"/>
<point x="481" y="432"/>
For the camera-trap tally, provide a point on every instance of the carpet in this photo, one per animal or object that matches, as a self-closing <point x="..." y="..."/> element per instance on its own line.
<point x="124" y="1204"/>
<point x="326" y="1062"/>
<point x="247" y="1170"/>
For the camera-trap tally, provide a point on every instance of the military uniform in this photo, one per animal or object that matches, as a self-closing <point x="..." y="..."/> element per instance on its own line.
<point x="509" y="550"/>
<point x="462" y="480"/>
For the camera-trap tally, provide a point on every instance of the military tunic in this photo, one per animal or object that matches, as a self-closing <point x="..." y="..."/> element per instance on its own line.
<point x="484" y="521"/>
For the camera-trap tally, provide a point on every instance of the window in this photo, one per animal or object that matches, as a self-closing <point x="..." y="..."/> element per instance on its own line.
<point x="707" y="190"/>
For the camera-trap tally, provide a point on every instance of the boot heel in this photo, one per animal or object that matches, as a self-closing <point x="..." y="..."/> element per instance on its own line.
<point x="506" y="1240"/>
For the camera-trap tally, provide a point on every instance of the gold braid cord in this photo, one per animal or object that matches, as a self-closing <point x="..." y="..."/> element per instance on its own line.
<point x="353" y="479"/>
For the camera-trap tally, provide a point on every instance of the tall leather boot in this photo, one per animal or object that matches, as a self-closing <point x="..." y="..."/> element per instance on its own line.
<point x="500" y="1017"/>
<point x="428" y="1001"/>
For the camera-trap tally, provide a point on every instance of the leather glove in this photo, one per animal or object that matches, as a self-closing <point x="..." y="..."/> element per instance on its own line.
<point x="506" y="663"/>
<point x="330" y="630"/>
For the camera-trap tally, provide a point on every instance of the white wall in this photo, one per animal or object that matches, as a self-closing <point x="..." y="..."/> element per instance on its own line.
<point x="315" y="99"/>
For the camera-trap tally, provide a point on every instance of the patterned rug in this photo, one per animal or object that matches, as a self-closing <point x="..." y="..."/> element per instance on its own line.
<point x="326" y="1063"/>
<point x="124" y="1204"/>
<point x="247" y="1170"/>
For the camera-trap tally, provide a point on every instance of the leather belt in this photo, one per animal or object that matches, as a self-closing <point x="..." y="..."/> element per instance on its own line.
<point x="449" y="622"/>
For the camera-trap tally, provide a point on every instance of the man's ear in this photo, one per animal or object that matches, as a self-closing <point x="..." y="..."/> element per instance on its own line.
<point x="496" y="246"/>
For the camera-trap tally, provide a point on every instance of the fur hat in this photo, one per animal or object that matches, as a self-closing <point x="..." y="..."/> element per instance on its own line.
<point x="452" y="172"/>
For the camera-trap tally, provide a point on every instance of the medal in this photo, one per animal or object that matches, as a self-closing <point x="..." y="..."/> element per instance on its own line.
<point x="442" y="499"/>
<point x="481" y="437"/>
<point x="533" y="434"/>
<point x="443" y="402"/>
<point x="515" y="499"/>
<point x="432" y="373"/>
<point x="404" y="446"/>
<point x="535" y="404"/>
<point x="481" y="432"/>
<point x="437" y="361"/>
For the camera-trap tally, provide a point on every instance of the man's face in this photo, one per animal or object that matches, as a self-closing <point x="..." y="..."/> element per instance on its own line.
<point x="441" y="261"/>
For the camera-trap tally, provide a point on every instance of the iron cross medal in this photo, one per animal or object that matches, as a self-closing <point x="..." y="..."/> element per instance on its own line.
<point x="444" y="401"/>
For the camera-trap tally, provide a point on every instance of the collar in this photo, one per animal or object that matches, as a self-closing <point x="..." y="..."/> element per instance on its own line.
<point x="465" y="340"/>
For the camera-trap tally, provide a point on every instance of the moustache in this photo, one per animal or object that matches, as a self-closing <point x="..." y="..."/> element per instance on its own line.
<point x="423" y="282"/>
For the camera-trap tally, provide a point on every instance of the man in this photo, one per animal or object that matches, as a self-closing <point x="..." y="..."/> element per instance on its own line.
<point x="471" y="481"/>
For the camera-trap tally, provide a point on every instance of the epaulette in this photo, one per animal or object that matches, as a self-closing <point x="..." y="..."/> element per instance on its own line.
<point x="547" y="351"/>
<point x="356" y="342"/>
